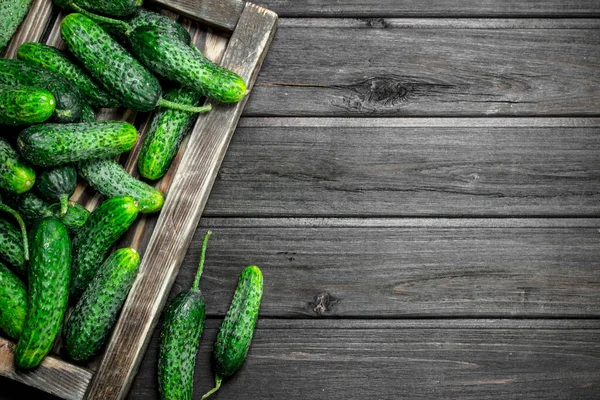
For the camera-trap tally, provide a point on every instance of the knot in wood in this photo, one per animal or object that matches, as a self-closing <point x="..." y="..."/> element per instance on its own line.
<point x="324" y="302"/>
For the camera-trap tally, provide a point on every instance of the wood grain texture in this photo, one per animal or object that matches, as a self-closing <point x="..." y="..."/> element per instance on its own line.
<point x="430" y="67"/>
<point x="221" y="14"/>
<point x="53" y="375"/>
<point x="32" y="28"/>
<point x="404" y="359"/>
<point x="181" y="212"/>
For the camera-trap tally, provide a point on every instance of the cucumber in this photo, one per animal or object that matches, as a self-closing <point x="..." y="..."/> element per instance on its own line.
<point x="109" y="178"/>
<point x="116" y="8"/>
<point x="107" y="61"/>
<point x="23" y="105"/>
<point x="54" y="60"/>
<point x="49" y="277"/>
<point x="75" y="217"/>
<point x="58" y="184"/>
<point x="68" y="98"/>
<point x="87" y="114"/>
<point x="102" y="229"/>
<point x="180" y="335"/>
<point x="15" y="175"/>
<point x="13" y="303"/>
<point x="186" y="65"/>
<point x="236" y="331"/>
<point x="49" y="145"/>
<point x="166" y="24"/>
<point x="96" y="311"/>
<point x="167" y="130"/>
<point x="12" y="13"/>
<point x="11" y="247"/>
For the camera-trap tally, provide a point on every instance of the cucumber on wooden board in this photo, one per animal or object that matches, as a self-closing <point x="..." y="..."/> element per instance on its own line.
<point x="107" y="61"/>
<point x="16" y="176"/>
<point x="49" y="145"/>
<point x="11" y="247"/>
<point x="55" y="60"/>
<point x="104" y="226"/>
<point x="48" y="291"/>
<point x="13" y="303"/>
<point x="68" y="98"/>
<point x="179" y="339"/>
<point x="57" y="185"/>
<point x="110" y="179"/>
<point x="115" y="8"/>
<point x="236" y="330"/>
<point x="25" y="105"/>
<point x="90" y="322"/>
<point x="12" y="13"/>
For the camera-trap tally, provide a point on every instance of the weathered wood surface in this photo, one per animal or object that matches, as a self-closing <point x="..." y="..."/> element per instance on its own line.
<point x="431" y="67"/>
<point x="407" y="359"/>
<point x="221" y="14"/>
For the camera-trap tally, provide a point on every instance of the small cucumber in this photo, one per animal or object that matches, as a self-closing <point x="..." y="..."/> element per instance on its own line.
<point x="13" y="303"/>
<point x="49" y="145"/>
<point x="107" y="61"/>
<point x="75" y="217"/>
<point x="68" y="98"/>
<point x="105" y="225"/>
<point x="236" y="331"/>
<point x="96" y="311"/>
<point x="12" y="13"/>
<point x="15" y="175"/>
<point x="87" y="114"/>
<point x="49" y="277"/>
<point x="58" y="184"/>
<point x="182" y="328"/>
<point x="109" y="178"/>
<point x="167" y="130"/>
<point x="23" y="105"/>
<point x="11" y="247"/>
<point x="54" y="60"/>
<point x="115" y="8"/>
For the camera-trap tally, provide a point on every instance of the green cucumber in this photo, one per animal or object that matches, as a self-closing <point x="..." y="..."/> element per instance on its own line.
<point x="167" y="130"/>
<point x="109" y="178"/>
<point x="56" y="144"/>
<point x="116" y="8"/>
<point x="68" y="98"/>
<point x="11" y="247"/>
<point x="107" y="61"/>
<point x="54" y="60"/>
<point x="13" y="303"/>
<point x="49" y="277"/>
<point x="96" y="311"/>
<point x="15" y="175"/>
<point x="58" y="184"/>
<point x="12" y="13"/>
<point x="236" y="331"/>
<point x="179" y="339"/>
<point x="75" y="217"/>
<point x="23" y="105"/>
<point x="104" y="226"/>
<point x="87" y="114"/>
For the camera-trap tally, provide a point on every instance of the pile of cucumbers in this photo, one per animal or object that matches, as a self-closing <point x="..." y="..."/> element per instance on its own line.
<point x="117" y="52"/>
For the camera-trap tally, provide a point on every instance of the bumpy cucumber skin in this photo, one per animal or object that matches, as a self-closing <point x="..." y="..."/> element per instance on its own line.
<point x="180" y="336"/>
<point x="22" y="105"/>
<point x="11" y="248"/>
<point x="113" y="8"/>
<point x="55" y="183"/>
<point x="109" y="178"/>
<point x="90" y="322"/>
<point x="167" y="130"/>
<point x="166" y="24"/>
<point x="87" y="114"/>
<point x="12" y="13"/>
<point x="48" y="145"/>
<point x="13" y="303"/>
<point x="107" y="61"/>
<point x="68" y="98"/>
<point x="49" y="277"/>
<point x="102" y="229"/>
<point x="75" y="217"/>
<point x="168" y="57"/>
<point x="15" y="175"/>
<point x="236" y="331"/>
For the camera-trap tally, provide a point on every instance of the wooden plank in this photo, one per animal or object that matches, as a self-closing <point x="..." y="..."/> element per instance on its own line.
<point x="433" y="8"/>
<point x="430" y="67"/>
<point x="403" y="359"/>
<point x="32" y="28"/>
<point x="181" y="213"/>
<point x="221" y="14"/>
<point x="53" y="375"/>
<point x="410" y="167"/>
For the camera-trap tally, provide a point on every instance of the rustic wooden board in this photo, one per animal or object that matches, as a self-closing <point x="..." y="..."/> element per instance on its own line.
<point x="222" y="14"/>
<point x="408" y="167"/>
<point x="431" y="67"/>
<point x="451" y="359"/>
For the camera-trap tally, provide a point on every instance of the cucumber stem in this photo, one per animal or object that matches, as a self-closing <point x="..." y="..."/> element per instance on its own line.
<point x="196" y="284"/>
<point x="183" y="107"/>
<point x="123" y="25"/>
<point x="4" y="207"/>
<point x="218" y="381"/>
<point x="64" y="204"/>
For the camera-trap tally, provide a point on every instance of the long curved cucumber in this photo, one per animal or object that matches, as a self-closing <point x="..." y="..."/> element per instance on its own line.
<point x="13" y="303"/>
<point x="24" y="105"/>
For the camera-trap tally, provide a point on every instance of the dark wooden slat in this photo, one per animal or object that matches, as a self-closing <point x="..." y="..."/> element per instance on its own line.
<point x="408" y="167"/>
<point x="221" y="14"/>
<point x="333" y="360"/>
<point x="469" y="67"/>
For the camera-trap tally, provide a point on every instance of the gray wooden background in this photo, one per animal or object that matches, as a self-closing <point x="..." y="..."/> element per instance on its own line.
<point x="420" y="184"/>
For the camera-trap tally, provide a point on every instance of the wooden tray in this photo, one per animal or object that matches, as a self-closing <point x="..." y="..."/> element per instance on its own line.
<point x="241" y="38"/>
